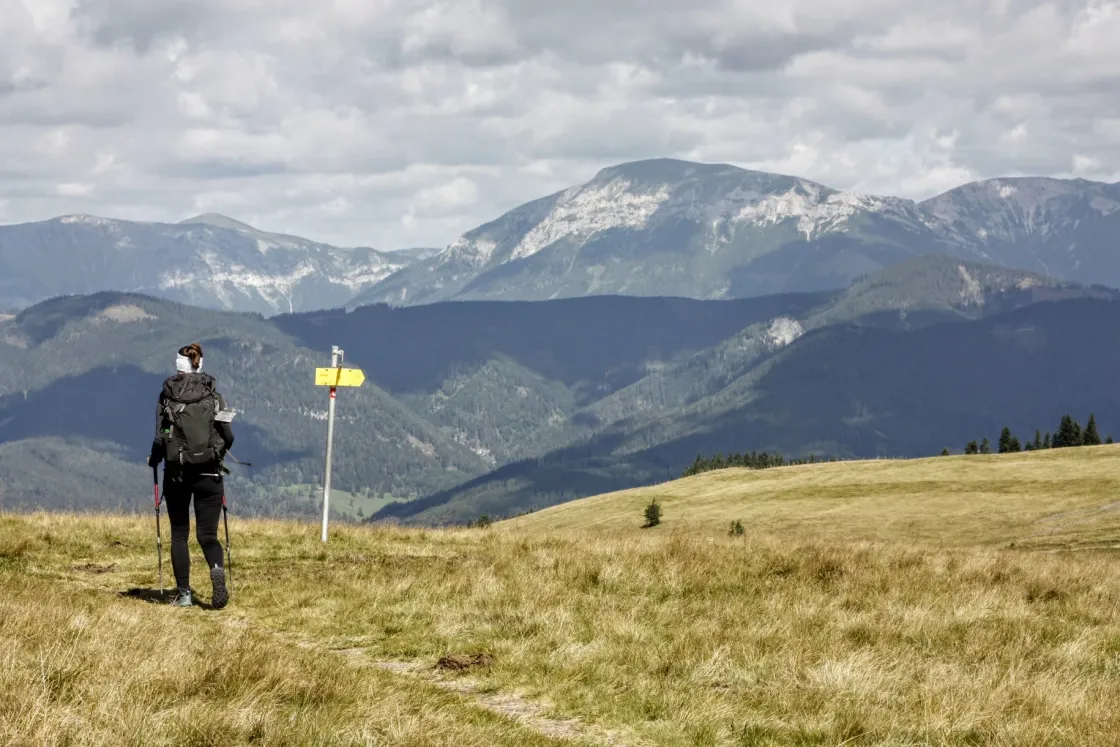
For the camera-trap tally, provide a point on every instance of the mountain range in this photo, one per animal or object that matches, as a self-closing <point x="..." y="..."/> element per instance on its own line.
<point x="499" y="407"/>
<point x="660" y="227"/>
<point x="665" y="227"/>
<point x="594" y="339"/>
<point x="209" y="260"/>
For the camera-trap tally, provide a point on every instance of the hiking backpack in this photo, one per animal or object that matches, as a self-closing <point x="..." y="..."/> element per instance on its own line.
<point x="189" y="404"/>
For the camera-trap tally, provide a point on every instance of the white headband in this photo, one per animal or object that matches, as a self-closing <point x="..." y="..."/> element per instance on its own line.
<point x="183" y="364"/>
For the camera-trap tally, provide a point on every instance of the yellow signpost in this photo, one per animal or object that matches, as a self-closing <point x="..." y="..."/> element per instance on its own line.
<point x="334" y="377"/>
<point x="339" y="377"/>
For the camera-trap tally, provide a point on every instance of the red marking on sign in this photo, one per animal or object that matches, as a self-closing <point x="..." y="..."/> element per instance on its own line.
<point x="334" y="393"/>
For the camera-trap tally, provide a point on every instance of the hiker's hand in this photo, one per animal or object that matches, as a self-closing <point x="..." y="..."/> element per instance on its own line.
<point x="153" y="462"/>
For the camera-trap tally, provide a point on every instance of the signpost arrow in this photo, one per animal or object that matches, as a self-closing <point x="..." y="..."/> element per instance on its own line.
<point x="334" y="377"/>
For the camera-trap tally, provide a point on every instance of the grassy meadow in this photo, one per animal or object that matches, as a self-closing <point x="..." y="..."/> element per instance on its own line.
<point x="876" y="603"/>
<point x="1059" y="498"/>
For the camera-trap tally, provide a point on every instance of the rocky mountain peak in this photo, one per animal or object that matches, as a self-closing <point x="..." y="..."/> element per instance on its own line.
<point x="666" y="226"/>
<point x="1010" y="210"/>
<point x="219" y="221"/>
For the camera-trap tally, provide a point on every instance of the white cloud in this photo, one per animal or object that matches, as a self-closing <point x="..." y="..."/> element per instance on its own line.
<point x="74" y="190"/>
<point x="405" y="122"/>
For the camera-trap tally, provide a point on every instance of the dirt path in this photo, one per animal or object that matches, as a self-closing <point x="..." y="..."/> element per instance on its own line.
<point x="529" y="713"/>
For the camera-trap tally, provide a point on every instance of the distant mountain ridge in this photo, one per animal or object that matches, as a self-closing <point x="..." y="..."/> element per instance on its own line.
<point x="675" y="228"/>
<point x="661" y="227"/>
<point x="209" y="260"/>
<point x="512" y="405"/>
<point x="842" y="390"/>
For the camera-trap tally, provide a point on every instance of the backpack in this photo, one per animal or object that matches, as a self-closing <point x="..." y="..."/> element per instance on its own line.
<point x="189" y="404"/>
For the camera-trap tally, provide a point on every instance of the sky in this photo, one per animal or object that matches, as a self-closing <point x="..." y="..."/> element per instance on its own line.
<point x="397" y="123"/>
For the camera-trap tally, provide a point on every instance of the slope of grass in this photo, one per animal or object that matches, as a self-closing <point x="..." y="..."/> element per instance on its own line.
<point x="680" y="635"/>
<point x="1055" y="498"/>
<point x="345" y="504"/>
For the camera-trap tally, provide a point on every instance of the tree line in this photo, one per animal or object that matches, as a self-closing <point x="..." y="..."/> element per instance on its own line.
<point x="1069" y="434"/>
<point x="749" y="460"/>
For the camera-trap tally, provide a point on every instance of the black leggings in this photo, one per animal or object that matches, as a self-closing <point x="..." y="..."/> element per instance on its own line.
<point x="207" y="493"/>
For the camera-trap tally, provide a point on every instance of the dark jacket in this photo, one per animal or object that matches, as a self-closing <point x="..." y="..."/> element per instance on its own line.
<point x="184" y="387"/>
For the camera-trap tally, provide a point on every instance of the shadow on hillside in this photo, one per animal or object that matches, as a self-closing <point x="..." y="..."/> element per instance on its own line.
<point x="113" y="405"/>
<point x="155" y="596"/>
<point x="532" y="484"/>
<point x="47" y="319"/>
<point x="840" y="391"/>
<point x="601" y="342"/>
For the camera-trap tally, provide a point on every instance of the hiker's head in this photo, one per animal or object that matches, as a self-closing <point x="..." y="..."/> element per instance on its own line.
<point x="189" y="359"/>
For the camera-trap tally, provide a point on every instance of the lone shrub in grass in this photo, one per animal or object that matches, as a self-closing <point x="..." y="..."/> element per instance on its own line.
<point x="653" y="514"/>
<point x="737" y="528"/>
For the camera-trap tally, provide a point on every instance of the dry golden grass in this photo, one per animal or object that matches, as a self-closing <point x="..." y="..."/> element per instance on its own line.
<point x="671" y="636"/>
<point x="1055" y="498"/>
<point x="82" y="665"/>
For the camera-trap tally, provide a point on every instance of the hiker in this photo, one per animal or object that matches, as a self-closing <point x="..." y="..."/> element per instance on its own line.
<point x="193" y="434"/>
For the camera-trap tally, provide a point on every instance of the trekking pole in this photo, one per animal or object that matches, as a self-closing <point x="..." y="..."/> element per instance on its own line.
<point x="159" y="534"/>
<point x="229" y="558"/>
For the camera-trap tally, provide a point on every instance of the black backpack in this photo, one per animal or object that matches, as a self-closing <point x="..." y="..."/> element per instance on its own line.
<point x="189" y="404"/>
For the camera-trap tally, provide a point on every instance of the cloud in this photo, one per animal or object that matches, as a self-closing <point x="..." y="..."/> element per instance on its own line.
<point x="398" y="123"/>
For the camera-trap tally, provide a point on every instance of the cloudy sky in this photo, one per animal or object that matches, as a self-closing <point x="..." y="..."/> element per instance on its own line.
<point x="398" y="123"/>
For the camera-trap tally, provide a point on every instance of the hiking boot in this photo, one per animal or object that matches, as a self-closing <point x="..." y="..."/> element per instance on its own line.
<point x="218" y="578"/>
<point x="182" y="598"/>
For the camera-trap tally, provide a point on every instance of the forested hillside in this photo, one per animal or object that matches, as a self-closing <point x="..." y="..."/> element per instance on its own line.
<point x="497" y="407"/>
<point x="841" y="391"/>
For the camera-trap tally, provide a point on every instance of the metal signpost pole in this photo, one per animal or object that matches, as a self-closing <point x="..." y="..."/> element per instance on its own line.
<point x="336" y="354"/>
<point x="334" y="377"/>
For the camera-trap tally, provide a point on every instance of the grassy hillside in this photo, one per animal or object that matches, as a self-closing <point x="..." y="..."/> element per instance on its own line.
<point x="79" y="378"/>
<point x="839" y="391"/>
<point x="502" y="407"/>
<point x="485" y="384"/>
<point x="800" y="632"/>
<point x="1055" y="498"/>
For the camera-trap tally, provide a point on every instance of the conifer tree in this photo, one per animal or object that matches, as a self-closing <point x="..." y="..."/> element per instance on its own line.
<point x="1013" y="446"/>
<point x="1046" y="442"/>
<point x="1091" y="437"/>
<point x="1063" y="430"/>
<point x="971" y="448"/>
<point x="1069" y="433"/>
<point x="985" y="446"/>
<point x="1109" y="439"/>
<point x="945" y="451"/>
<point x="1037" y="439"/>
<point x="1005" y="440"/>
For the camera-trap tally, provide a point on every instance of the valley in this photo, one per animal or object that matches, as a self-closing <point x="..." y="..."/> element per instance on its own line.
<point x="499" y="408"/>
